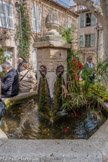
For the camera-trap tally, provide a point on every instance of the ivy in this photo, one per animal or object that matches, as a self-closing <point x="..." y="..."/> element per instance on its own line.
<point x="3" y="58"/>
<point x="24" y="32"/>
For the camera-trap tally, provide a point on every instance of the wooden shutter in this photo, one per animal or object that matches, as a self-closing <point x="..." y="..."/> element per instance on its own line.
<point x="82" y="41"/>
<point x="3" y="22"/>
<point x="93" y="20"/>
<point x="82" y="20"/>
<point x="68" y="24"/>
<point x="38" y="20"/>
<point x="36" y="16"/>
<point x="93" y="40"/>
<point x="9" y="10"/>
<point x="6" y="15"/>
<point x="35" y="59"/>
<point x="33" y="18"/>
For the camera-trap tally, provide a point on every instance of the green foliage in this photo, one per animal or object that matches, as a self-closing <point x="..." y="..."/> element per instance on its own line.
<point x="3" y="58"/>
<point x="24" y="32"/>
<point x="66" y="33"/>
<point x="98" y="91"/>
<point x="79" y="93"/>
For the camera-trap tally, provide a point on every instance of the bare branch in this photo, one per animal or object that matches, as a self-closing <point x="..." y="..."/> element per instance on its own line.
<point x="93" y="7"/>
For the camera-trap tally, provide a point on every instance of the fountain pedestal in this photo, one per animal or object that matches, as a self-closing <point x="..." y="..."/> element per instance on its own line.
<point x="52" y="51"/>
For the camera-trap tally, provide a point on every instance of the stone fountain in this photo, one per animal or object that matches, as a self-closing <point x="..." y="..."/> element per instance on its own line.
<point x="52" y="50"/>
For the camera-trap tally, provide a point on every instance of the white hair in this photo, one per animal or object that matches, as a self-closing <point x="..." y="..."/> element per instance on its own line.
<point x="6" y="65"/>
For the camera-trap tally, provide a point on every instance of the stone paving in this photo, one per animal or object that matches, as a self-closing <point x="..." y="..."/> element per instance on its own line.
<point x="93" y="150"/>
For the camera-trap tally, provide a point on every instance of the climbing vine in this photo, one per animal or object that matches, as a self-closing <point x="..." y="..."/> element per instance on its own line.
<point x="23" y="33"/>
<point x="3" y="58"/>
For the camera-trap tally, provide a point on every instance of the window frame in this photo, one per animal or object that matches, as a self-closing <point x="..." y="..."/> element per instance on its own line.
<point x="83" y="20"/>
<point x="89" y="44"/>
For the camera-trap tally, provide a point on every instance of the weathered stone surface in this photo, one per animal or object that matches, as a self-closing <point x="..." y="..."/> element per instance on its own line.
<point x="92" y="150"/>
<point x="2" y="135"/>
<point x="20" y="96"/>
<point x="57" y="151"/>
<point x="52" y="20"/>
<point x="52" y="52"/>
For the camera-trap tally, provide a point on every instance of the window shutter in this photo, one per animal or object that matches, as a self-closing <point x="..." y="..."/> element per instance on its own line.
<point x="93" y="40"/>
<point x="35" y="59"/>
<point x="36" y="12"/>
<point x="68" y="24"/>
<point x="93" y="20"/>
<point x="38" y="20"/>
<point x="82" y="20"/>
<point x="6" y="15"/>
<point x="9" y="10"/>
<point x="1" y="8"/>
<point x="33" y="19"/>
<point x="3" y="22"/>
<point x="82" y="41"/>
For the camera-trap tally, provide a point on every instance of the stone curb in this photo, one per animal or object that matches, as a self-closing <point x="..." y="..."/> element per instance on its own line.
<point x="93" y="150"/>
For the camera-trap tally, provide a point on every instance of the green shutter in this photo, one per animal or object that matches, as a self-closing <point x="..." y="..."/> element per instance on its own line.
<point x="82" y="20"/>
<point x="93" y="20"/>
<point x="81" y="40"/>
<point x="93" y="40"/>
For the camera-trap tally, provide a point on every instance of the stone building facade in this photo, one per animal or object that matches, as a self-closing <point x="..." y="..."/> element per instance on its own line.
<point x="90" y="34"/>
<point x="38" y="10"/>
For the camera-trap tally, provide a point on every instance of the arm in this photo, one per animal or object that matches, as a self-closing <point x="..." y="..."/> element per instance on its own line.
<point x="7" y="83"/>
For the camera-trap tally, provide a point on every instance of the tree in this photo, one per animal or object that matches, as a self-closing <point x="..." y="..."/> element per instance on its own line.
<point x="101" y="12"/>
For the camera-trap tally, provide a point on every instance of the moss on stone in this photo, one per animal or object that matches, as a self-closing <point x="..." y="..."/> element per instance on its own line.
<point x="58" y="98"/>
<point x="44" y="98"/>
<point x="17" y="100"/>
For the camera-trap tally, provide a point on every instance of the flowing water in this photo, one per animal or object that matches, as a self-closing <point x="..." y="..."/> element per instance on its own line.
<point x="24" y="122"/>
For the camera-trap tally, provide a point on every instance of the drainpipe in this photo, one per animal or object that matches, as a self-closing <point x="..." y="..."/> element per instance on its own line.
<point x="98" y="35"/>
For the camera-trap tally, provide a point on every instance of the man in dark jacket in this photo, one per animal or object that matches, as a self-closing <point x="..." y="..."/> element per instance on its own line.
<point x="9" y="82"/>
<point x="20" y="61"/>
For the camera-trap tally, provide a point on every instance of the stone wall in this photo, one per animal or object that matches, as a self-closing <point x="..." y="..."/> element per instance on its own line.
<point x="97" y="51"/>
<point x="45" y="6"/>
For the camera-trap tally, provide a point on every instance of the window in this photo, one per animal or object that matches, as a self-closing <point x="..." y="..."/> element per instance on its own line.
<point x="87" y="19"/>
<point x="6" y="15"/>
<point x="36" y="14"/>
<point x="87" y="40"/>
<point x="35" y="59"/>
<point x="8" y="54"/>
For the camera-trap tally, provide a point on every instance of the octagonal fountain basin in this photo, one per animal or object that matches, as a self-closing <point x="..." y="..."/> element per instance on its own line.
<point x="22" y="121"/>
